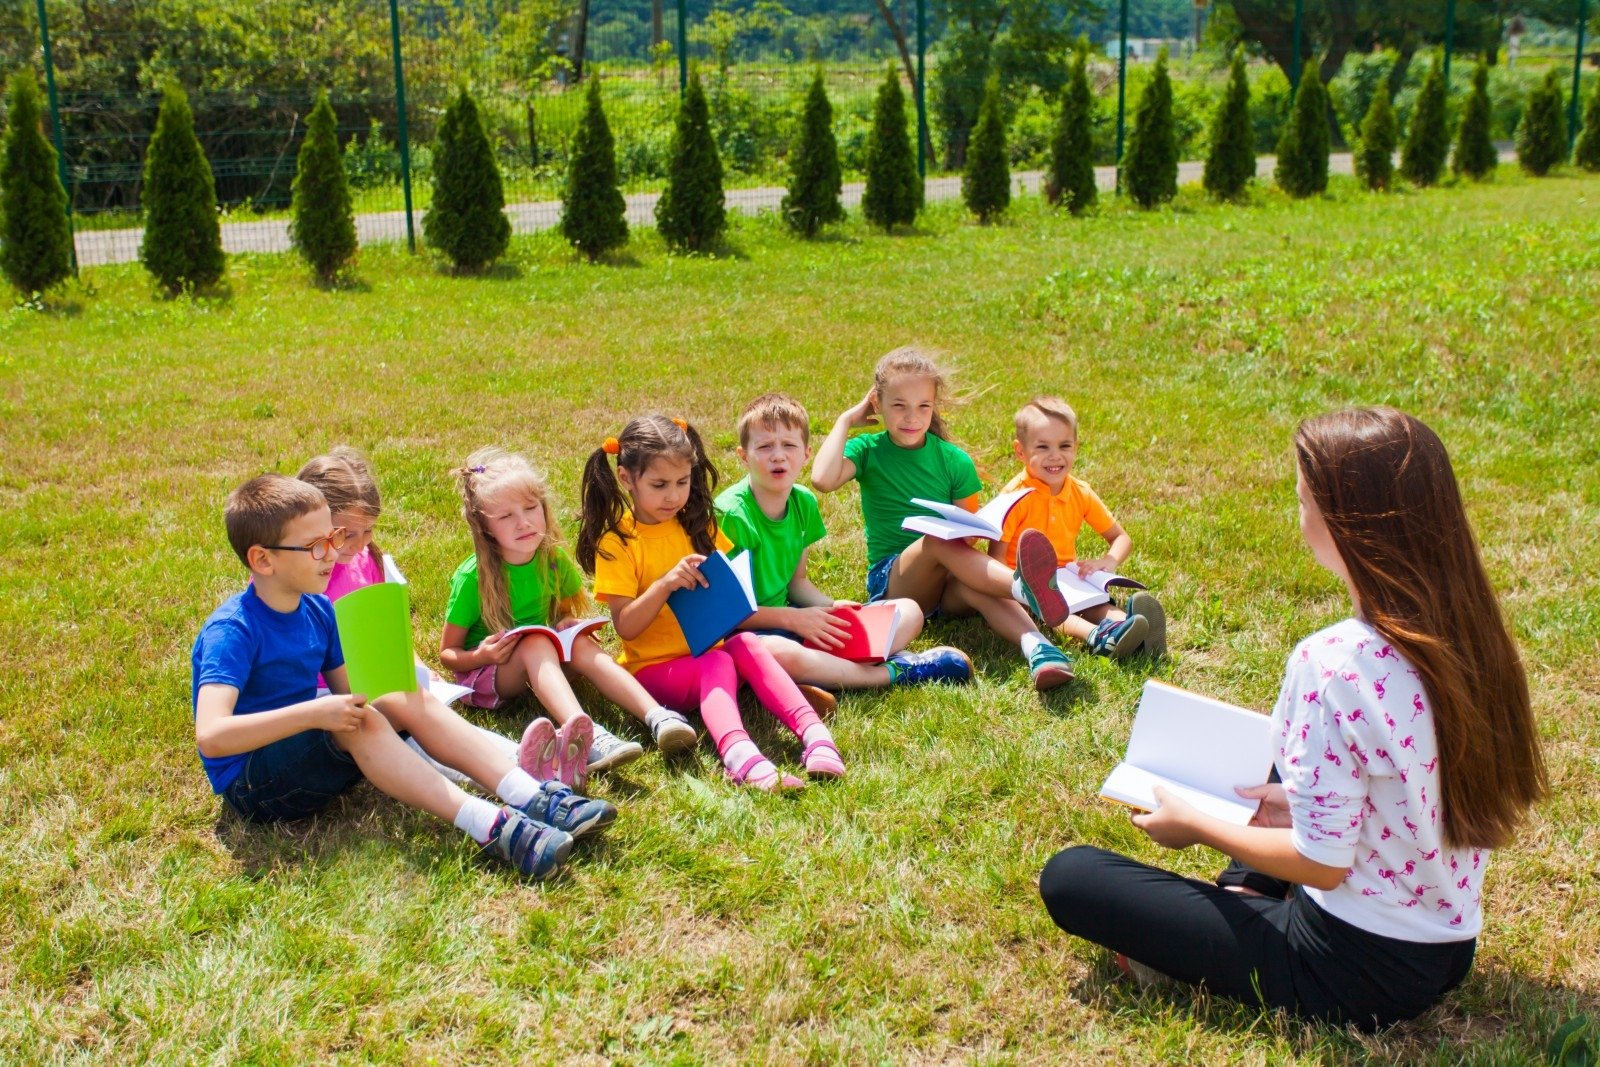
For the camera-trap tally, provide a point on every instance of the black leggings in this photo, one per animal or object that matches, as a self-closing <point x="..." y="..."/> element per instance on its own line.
<point x="1257" y="949"/>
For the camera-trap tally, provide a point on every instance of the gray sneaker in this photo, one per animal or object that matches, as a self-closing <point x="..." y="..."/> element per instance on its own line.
<point x="1145" y="604"/>
<point x="608" y="751"/>
<point x="674" y="734"/>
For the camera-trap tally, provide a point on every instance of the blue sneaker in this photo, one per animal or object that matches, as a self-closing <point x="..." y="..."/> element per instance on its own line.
<point x="537" y="851"/>
<point x="1049" y="667"/>
<point x="1119" y="639"/>
<point x="942" y="664"/>
<point x="557" y="805"/>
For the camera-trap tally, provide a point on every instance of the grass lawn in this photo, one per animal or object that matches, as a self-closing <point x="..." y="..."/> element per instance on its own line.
<point x="892" y="917"/>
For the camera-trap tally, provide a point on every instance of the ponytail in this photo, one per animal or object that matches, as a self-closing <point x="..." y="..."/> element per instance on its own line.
<point x="642" y="441"/>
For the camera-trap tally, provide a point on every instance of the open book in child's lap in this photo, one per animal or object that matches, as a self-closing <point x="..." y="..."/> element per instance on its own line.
<point x="1196" y="747"/>
<point x="952" y="523"/>
<point x="871" y="629"/>
<point x="1084" y="593"/>
<point x="564" y="637"/>
<point x="708" y="613"/>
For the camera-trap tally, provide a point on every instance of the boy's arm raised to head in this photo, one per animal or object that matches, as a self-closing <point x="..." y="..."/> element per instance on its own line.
<point x="830" y="469"/>
<point x="219" y="732"/>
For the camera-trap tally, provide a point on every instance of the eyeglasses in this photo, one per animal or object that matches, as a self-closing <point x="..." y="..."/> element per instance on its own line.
<point x="331" y="541"/>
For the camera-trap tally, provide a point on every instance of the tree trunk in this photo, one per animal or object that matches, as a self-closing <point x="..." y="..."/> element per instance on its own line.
<point x="580" y="40"/>
<point x="656" y="33"/>
<point x="899" y="36"/>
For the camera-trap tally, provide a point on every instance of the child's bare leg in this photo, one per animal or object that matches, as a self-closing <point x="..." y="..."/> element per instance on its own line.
<point x="613" y="680"/>
<point x="540" y="665"/>
<point x="973" y="569"/>
<point x="447" y="737"/>
<point x="810" y="666"/>
<point x="918" y="575"/>
<point x="908" y="626"/>
<point x="1083" y="624"/>
<point x="1005" y="616"/>
<point x="396" y="770"/>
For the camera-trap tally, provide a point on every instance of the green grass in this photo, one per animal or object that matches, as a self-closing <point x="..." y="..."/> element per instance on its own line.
<point x="892" y="917"/>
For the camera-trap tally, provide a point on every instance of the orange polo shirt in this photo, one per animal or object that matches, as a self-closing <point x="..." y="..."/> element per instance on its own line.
<point x="1060" y="516"/>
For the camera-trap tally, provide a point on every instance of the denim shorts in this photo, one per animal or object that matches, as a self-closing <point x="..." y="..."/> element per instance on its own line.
<point x="292" y="779"/>
<point x="878" y="579"/>
<point x="777" y="631"/>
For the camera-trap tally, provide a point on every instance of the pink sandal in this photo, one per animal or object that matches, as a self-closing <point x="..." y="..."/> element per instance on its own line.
<point x="821" y="759"/>
<point x="780" y="782"/>
<point x="537" y="753"/>
<point x="572" y="750"/>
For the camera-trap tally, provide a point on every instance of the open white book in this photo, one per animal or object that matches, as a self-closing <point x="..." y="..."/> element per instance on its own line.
<point x="1198" y="748"/>
<point x="950" y="523"/>
<point x="564" y="638"/>
<point x="1088" y="592"/>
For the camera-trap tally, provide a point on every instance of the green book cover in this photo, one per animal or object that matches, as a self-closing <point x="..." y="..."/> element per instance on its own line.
<point x="375" y="630"/>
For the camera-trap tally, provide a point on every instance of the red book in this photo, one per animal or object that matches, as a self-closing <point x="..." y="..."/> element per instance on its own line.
<point x="871" y="629"/>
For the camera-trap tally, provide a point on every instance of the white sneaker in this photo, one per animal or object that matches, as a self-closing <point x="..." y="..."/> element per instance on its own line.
<point x="674" y="734"/>
<point x="608" y="751"/>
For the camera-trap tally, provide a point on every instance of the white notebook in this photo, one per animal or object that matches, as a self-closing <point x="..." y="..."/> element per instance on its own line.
<point x="1195" y="746"/>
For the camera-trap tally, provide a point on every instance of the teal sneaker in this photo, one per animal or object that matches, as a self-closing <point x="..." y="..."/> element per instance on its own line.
<point x="1119" y="639"/>
<point x="1035" y="578"/>
<point x="536" y="850"/>
<point x="1155" y="617"/>
<point x="1049" y="667"/>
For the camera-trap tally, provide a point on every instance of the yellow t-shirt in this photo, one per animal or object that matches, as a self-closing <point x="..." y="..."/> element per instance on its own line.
<point x="637" y="557"/>
<point x="1060" y="516"/>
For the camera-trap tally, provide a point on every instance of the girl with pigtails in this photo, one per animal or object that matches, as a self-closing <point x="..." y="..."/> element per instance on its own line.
<point x="647" y="526"/>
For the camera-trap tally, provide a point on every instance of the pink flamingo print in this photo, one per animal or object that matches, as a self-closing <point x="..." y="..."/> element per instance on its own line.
<point x="1409" y="869"/>
<point x="1422" y="890"/>
<point x="1410" y="902"/>
<point x="1387" y="833"/>
<point x="1477" y="857"/>
<point x="1431" y="764"/>
<point x="1372" y="856"/>
<point x="1390" y="723"/>
<point x="1410" y="742"/>
<point x="1428" y="857"/>
<point x="1410" y="826"/>
<point x="1388" y="875"/>
<point x="1443" y="904"/>
<point x="1455" y="868"/>
<point x="1404" y="773"/>
<point x="1353" y="678"/>
<point x="1329" y="755"/>
<point x="1463" y="883"/>
<point x="1305" y="730"/>
<point x="1368" y="891"/>
<point x="1416" y="702"/>
<point x="1355" y="750"/>
<point x="1383" y="754"/>
<point x="1378" y="684"/>
<point x="1386" y="652"/>
<point x="1358" y="716"/>
<point x="1316" y="776"/>
<point x="1312" y="698"/>
<point x="1457" y="920"/>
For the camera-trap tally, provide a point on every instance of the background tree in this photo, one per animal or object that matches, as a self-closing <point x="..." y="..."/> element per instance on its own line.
<point x="690" y="213"/>
<point x="986" y="181"/>
<point x="182" y="243"/>
<point x="1542" y="133"/>
<point x="35" y="233"/>
<point x="593" y="212"/>
<point x="467" y="220"/>
<point x="1587" y="153"/>
<point x="1379" y="132"/>
<point x="1231" y="162"/>
<point x="1150" y="169"/>
<point x="1303" y="146"/>
<point x="1427" y="144"/>
<point x="894" y="190"/>
<point x="1070" y="179"/>
<point x="812" y="200"/>
<point x="323" y="226"/>
<point x="1475" y="152"/>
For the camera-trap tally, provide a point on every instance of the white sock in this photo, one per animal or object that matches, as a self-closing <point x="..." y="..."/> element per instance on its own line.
<point x="517" y="787"/>
<point x="1031" y="642"/>
<point x="1017" y="593"/>
<point x="601" y="733"/>
<point x="739" y="754"/>
<point x="815" y="733"/>
<point x="655" y="716"/>
<point x="476" y="819"/>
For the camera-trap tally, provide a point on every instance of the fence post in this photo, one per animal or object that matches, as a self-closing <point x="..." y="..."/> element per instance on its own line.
<point x="1577" y="77"/>
<point x="404" y="130"/>
<point x="1449" y="39"/>
<point x="1122" y="89"/>
<point x="55" y="128"/>
<point x="922" y="92"/>
<point x="683" y="45"/>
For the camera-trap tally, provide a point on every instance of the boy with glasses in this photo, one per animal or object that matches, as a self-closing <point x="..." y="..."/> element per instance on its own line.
<point x="276" y="751"/>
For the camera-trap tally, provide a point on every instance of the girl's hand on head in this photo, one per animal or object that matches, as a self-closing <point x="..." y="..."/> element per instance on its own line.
<point x="1274" y="809"/>
<point x="820" y="626"/>
<point x="864" y="413"/>
<point x="1172" y="825"/>
<point x="686" y="574"/>
<point x="339" y="713"/>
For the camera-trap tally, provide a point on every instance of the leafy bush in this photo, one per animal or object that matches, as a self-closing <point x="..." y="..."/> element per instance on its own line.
<point x="1071" y="177"/>
<point x="1427" y="144"/>
<point x="1476" y="156"/>
<point x="1542" y="134"/>
<point x="323" y="228"/>
<point x="182" y="243"/>
<point x="1150" y="171"/>
<point x="1231" y="162"/>
<point x="593" y="211"/>
<point x="35" y="233"/>
<point x="467" y="221"/>
<point x="690" y="214"/>
<point x="1303" y="148"/>
<point x="812" y="200"/>
<point x="1374" y="156"/>
<point x="986" y="181"/>
<point x="894" y="189"/>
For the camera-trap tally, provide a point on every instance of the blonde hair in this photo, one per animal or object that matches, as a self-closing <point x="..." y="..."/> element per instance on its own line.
<point x="772" y="411"/>
<point x="909" y="361"/>
<point x="1044" y="407"/>
<point x="345" y="478"/>
<point x="487" y="474"/>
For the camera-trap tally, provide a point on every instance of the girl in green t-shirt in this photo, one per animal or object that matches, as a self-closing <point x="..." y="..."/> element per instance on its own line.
<point x="519" y="575"/>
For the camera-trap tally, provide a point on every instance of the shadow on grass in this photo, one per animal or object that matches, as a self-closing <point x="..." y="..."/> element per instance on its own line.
<point x="342" y="283"/>
<point x="501" y="271"/>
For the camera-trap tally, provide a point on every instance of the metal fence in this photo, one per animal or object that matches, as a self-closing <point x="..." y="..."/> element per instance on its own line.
<point x="391" y="67"/>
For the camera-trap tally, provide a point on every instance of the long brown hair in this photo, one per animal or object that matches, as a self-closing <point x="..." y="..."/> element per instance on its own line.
<point x="487" y="474"/>
<point x="641" y="441"/>
<point x="1385" y="487"/>
<point x="345" y="478"/>
<point x="909" y="361"/>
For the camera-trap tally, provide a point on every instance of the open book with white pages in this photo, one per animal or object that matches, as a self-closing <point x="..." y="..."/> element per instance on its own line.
<point x="951" y="523"/>
<point x="448" y="692"/>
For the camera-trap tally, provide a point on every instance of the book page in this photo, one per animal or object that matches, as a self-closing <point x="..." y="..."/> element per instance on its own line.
<point x="1129" y="785"/>
<point x="740" y="565"/>
<point x="1081" y="593"/>
<point x="391" y="570"/>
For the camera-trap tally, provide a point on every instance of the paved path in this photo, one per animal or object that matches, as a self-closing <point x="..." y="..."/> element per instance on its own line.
<point x="122" y="246"/>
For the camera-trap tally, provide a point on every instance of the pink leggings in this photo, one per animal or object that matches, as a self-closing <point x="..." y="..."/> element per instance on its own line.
<point x="710" y="682"/>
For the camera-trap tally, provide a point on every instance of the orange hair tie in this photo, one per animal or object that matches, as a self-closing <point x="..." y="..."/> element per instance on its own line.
<point x="611" y="446"/>
<point x="682" y="424"/>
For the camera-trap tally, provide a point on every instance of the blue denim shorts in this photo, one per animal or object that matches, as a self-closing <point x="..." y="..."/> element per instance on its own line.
<point x="878" y="578"/>
<point x="292" y="779"/>
<point x="780" y="632"/>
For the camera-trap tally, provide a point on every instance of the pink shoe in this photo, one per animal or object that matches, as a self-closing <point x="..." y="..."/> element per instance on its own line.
<point x="767" y="783"/>
<point x="572" y="750"/>
<point x="821" y="759"/>
<point x="537" y="752"/>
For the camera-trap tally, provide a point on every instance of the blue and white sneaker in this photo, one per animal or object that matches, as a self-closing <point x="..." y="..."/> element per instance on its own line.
<point x="557" y="805"/>
<point x="1119" y="639"/>
<point x="1049" y="667"/>
<point x="533" y="848"/>
<point x="941" y="664"/>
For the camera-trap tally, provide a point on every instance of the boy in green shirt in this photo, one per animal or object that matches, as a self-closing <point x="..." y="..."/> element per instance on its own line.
<point x="777" y="521"/>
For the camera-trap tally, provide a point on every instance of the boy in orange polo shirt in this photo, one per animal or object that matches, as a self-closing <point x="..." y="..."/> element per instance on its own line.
<point x="1058" y="507"/>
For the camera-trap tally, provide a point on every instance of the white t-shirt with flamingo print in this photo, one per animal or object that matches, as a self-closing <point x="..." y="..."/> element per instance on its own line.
<point x="1357" y="754"/>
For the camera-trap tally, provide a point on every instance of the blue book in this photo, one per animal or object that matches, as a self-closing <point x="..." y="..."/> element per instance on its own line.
<point x="708" y="613"/>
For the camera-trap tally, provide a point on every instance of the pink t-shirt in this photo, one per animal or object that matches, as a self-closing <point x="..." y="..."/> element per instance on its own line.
<point x="357" y="574"/>
<point x="1355" y="747"/>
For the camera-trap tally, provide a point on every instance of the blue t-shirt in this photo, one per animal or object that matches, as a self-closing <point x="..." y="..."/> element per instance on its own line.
<point x="272" y="658"/>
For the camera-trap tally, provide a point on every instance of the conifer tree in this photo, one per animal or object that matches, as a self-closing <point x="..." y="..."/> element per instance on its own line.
<point x="467" y="220"/>
<point x="690" y="213"/>
<point x="1587" y="153"/>
<point x="1070" y="179"/>
<point x="1303" y="146"/>
<point x="1427" y="145"/>
<point x="1542" y="133"/>
<point x="1231" y="162"/>
<point x="894" y="191"/>
<point x="323" y="228"/>
<point x="814" y="179"/>
<point x="1475" y="153"/>
<point x="986" y="179"/>
<point x="593" y="212"/>
<point x="182" y="243"/>
<point x="36" y="241"/>
<point x="1379" y="132"/>
<point x="1150" y="169"/>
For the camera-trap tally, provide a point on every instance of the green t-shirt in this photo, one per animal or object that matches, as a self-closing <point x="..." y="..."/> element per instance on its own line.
<point x="890" y="476"/>
<point x="534" y="587"/>
<point x="775" y="547"/>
